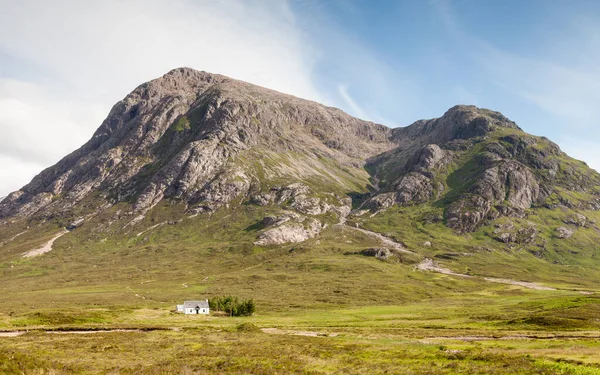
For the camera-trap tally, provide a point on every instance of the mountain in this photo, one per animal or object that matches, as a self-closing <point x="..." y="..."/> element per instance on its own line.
<point x="200" y="170"/>
<point x="204" y="140"/>
<point x="481" y="166"/>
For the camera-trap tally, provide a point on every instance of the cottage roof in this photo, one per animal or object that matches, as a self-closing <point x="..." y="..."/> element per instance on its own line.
<point x="194" y="304"/>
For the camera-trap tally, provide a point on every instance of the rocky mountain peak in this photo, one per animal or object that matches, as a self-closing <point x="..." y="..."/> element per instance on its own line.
<point x="459" y="122"/>
<point x="466" y="113"/>
<point x="480" y="166"/>
<point x="187" y="133"/>
<point x="205" y="141"/>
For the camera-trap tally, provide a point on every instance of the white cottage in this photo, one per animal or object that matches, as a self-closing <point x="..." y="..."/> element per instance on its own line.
<point x="194" y="307"/>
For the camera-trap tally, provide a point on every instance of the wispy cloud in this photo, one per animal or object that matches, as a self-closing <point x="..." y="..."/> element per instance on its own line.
<point x="559" y="84"/>
<point x="566" y="92"/>
<point x="112" y="45"/>
<point x="355" y="109"/>
<point x="81" y="57"/>
<point x="444" y="11"/>
<point x="351" y="72"/>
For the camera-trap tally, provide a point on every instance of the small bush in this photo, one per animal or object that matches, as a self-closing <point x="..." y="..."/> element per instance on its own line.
<point x="233" y="306"/>
<point x="182" y="124"/>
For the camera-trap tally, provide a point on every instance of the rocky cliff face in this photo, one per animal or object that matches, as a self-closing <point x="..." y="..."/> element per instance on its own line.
<point x="480" y="166"/>
<point x="183" y="136"/>
<point x="206" y="141"/>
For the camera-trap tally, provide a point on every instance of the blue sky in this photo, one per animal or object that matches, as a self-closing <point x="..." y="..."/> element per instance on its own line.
<point x="535" y="61"/>
<point x="63" y="64"/>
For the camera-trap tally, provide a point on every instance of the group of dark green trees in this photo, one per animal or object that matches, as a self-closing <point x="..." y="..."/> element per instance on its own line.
<point x="231" y="305"/>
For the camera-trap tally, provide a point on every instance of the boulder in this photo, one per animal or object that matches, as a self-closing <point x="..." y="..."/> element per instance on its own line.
<point x="577" y="220"/>
<point x="290" y="232"/>
<point x="380" y="253"/>
<point x="74" y="225"/>
<point x="563" y="233"/>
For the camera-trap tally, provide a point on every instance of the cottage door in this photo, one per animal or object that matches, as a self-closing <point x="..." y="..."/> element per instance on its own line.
<point x="197" y="310"/>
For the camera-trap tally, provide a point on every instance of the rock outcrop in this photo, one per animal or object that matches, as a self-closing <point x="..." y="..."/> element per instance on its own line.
<point x="508" y="233"/>
<point x="578" y="220"/>
<point x="506" y="189"/>
<point x="480" y="166"/>
<point x="562" y="232"/>
<point x="380" y="253"/>
<point x="418" y="184"/>
<point x="289" y="229"/>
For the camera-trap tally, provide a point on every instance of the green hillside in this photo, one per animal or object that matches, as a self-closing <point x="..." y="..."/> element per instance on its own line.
<point x="457" y="245"/>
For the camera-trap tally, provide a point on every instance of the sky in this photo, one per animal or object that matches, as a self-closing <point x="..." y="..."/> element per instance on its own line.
<point x="65" y="63"/>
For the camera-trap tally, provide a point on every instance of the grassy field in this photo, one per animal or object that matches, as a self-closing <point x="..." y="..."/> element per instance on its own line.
<point x="450" y="336"/>
<point x="321" y="307"/>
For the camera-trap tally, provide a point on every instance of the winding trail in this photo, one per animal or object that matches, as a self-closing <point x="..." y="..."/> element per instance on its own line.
<point x="150" y="228"/>
<point x="13" y="238"/>
<point x="431" y="265"/>
<point x="277" y="331"/>
<point x="12" y="333"/>
<point x="85" y="332"/>
<point x="79" y="332"/>
<point x="585" y="335"/>
<point x="383" y="239"/>
<point x="524" y="284"/>
<point x="47" y="246"/>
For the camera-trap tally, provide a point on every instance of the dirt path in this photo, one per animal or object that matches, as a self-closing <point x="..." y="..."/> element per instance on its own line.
<point x="524" y="284"/>
<point x="11" y="334"/>
<point x="277" y="331"/>
<point x="150" y="228"/>
<point x="46" y="248"/>
<point x="383" y="239"/>
<point x="432" y="266"/>
<point x="13" y="238"/>
<point x="272" y="331"/>
<point x="83" y="332"/>
<point x="550" y="336"/>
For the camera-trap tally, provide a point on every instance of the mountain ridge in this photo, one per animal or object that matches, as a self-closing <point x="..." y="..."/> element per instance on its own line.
<point x="225" y="188"/>
<point x="65" y="174"/>
<point x="205" y="141"/>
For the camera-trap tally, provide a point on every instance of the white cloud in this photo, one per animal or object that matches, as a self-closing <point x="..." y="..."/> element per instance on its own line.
<point x="567" y="95"/>
<point x="38" y="128"/>
<point x="559" y="85"/>
<point x="446" y="14"/>
<point x="109" y="46"/>
<point x="9" y="175"/>
<point x="85" y="56"/>
<point x="566" y="92"/>
<point x="355" y="109"/>
<point x="354" y="73"/>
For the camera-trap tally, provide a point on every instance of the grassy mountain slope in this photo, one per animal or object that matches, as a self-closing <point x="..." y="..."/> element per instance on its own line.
<point x="216" y="174"/>
<point x="197" y="185"/>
